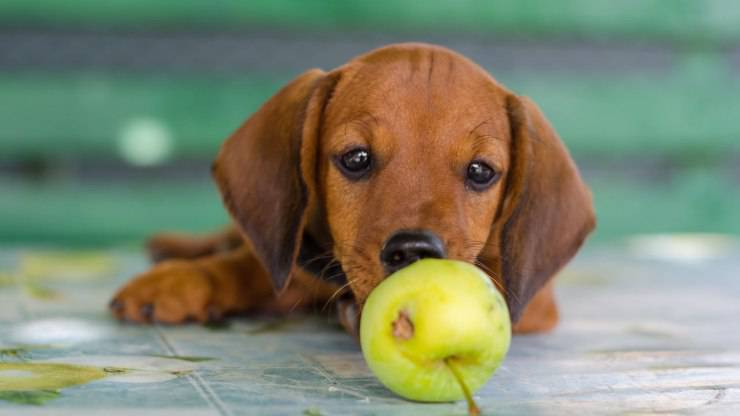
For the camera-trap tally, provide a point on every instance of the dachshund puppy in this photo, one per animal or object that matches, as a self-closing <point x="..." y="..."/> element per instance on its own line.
<point x="342" y="177"/>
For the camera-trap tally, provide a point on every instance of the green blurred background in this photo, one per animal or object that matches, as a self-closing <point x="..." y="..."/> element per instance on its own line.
<point x="111" y="111"/>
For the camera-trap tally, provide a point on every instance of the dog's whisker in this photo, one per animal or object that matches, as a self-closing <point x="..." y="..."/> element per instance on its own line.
<point x="336" y="292"/>
<point x="494" y="278"/>
<point x="326" y="269"/>
<point x="295" y="304"/>
<point x="356" y="264"/>
<point x="320" y="256"/>
<point x="332" y="276"/>
<point x="481" y="244"/>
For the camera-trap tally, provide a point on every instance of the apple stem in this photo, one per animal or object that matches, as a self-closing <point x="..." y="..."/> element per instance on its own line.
<point x="473" y="409"/>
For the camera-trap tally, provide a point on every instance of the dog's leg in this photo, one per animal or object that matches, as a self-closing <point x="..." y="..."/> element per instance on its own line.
<point x="541" y="314"/>
<point x="164" y="246"/>
<point x="209" y="288"/>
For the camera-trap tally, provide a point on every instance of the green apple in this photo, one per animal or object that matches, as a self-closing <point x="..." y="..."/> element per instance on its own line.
<point x="435" y="331"/>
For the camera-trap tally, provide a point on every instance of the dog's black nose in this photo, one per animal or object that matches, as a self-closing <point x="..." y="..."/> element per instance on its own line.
<point x="405" y="247"/>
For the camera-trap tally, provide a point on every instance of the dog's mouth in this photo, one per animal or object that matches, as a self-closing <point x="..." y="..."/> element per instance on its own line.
<point x="329" y="269"/>
<point x="348" y="312"/>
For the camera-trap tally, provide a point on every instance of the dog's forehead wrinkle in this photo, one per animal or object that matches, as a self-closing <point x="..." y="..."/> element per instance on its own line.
<point x="480" y="130"/>
<point x="398" y="105"/>
<point x="364" y="124"/>
<point x="437" y="74"/>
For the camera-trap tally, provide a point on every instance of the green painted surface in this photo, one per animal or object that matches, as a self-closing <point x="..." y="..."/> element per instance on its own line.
<point x="676" y="121"/>
<point x="106" y="212"/>
<point x="689" y="201"/>
<point x="692" y="109"/>
<point x="693" y="21"/>
<point x="82" y="114"/>
<point x="686" y="120"/>
<point x="698" y="200"/>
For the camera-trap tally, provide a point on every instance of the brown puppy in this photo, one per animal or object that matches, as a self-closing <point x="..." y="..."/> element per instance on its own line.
<point x="343" y="177"/>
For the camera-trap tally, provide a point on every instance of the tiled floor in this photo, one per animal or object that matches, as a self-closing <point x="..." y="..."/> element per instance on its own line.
<point x="639" y="335"/>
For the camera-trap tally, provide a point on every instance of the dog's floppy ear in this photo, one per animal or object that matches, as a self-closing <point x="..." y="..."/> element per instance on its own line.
<point x="547" y="211"/>
<point x="265" y="171"/>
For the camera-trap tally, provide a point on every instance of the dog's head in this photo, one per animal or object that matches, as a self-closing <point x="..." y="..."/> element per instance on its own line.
<point x="409" y="151"/>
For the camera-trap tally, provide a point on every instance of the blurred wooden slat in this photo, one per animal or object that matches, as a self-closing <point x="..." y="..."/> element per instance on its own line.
<point x="676" y="20"/>
<point x="691" y="111"/>
<point x="106" y="212"/>
<point x="109" y="211"/>
<point x="673" y="99"/>
<point x="693" y="200"/>
<point x="82" y="115"/>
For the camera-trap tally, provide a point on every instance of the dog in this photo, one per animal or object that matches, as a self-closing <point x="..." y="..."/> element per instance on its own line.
<point x="409" y="151"/>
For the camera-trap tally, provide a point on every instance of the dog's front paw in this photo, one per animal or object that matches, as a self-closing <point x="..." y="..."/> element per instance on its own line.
<point x="172" y="292"/>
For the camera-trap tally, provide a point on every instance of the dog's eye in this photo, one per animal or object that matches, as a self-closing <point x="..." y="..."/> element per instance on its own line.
<point x="480" y="176"/>
<point x="355" y="163"/>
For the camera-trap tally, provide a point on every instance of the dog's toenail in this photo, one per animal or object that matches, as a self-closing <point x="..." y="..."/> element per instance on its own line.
<point x="147" y="311"/>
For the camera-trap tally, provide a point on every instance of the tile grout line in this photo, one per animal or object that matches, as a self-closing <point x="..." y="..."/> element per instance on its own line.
<point x="196" y="380"/>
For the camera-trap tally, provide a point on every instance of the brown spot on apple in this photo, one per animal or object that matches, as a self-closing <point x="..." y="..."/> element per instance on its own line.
<point x="403" y="328"/>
